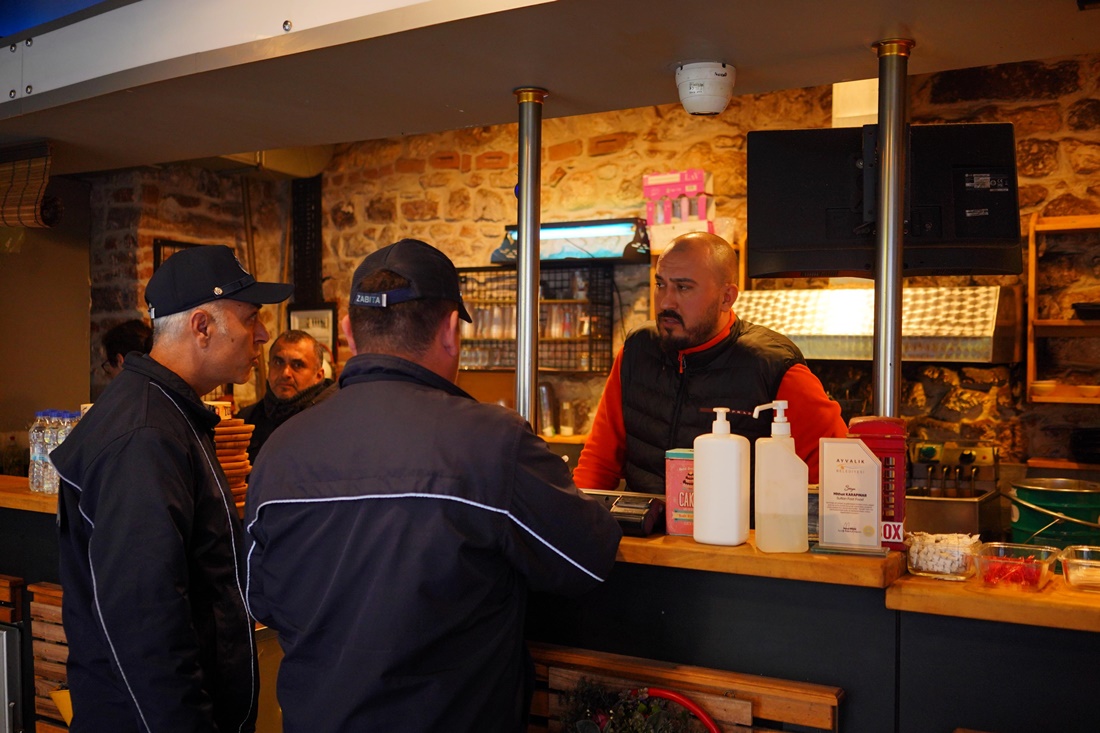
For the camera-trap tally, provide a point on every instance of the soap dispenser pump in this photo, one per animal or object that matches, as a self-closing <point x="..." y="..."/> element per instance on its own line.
<point x="721" y="515"/>
<point x="782" y="488"/>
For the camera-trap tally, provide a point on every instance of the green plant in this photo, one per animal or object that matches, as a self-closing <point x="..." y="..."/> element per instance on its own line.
<point x="593" y="708"/>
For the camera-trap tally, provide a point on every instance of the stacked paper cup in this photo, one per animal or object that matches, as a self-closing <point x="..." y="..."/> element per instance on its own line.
<point x="231" y="438"/>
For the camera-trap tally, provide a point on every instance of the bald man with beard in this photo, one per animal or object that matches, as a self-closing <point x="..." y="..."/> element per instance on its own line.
<point x="695" y="356"/>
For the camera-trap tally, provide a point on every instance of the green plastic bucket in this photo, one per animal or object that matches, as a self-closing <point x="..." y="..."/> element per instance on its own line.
<point x="1055" y="511"/>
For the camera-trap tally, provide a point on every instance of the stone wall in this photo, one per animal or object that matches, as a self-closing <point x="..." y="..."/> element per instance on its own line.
<point x="455" y="189"/>
<point x="131" y="209"/>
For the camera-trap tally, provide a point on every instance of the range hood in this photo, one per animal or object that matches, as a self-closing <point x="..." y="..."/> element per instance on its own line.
<point x="962" y="324"/>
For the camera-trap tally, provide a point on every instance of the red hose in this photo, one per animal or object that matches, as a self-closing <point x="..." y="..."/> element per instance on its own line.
<point x="691" y="707"/>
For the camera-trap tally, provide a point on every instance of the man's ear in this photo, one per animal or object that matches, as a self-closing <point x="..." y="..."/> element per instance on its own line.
<point x="345" y="327"/>
<point x="729" y="295"/>
<point x="448" y="334"/>
<point x="201" y="324"/>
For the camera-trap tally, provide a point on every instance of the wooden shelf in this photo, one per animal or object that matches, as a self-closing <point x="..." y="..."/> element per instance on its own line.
<point x="1065" y="393"/>
<point x="15" y="493"/>
<point x="1062" y="464"/>
<point x="1065" y="223"/>
<point x="1067" y="327"/>
<point x="684" y="552"/>
<point x="1056" y="606"/>
<point x="1039" y="328"/>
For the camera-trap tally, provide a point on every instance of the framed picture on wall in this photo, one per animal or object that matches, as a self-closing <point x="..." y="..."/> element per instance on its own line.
<point x="318" y="321"/>
<point x="165" y="248"/>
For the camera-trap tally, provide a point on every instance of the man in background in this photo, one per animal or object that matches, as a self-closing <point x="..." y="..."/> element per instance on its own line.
<point x="149" y="540"/>
<point x="396" y="528"/>
<point x="133" y="335"/>
<point x="295" y="381"/>
<point x="698" y="355"/>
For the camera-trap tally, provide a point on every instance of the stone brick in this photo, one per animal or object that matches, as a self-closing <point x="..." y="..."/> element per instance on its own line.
<point x="609" y="144"/>
<point x="459" y="205"/>
<point x="1036" y="158"/>
<point x="342" y="215"/>
<point x="420" y="209"/>
<point x="556" y="177"/>
<point x="561" y="151"/>
<point x="489" y="206"/>
<point x="409" y="165"/>
<point x="184" y="201"/>
<point x="112" y="298"/>
<point x="150" y="194"/>
<point x="450" y="160"/>
<point x="1084" y="157"/>
<point x="1069" y="205"/>
<point x="381" y="210"/>
<point x="1045" y="119"/>
<point x="475" y="137"/>
<point x="1031" y="195"/>
<point x="493" y="159"/>
<point x="121" y="218"/>
<point x="439" y="179"/>
<point x="1084" y="114"/>
<point x="123" y="195"/>
<point x="1026" y="80"/>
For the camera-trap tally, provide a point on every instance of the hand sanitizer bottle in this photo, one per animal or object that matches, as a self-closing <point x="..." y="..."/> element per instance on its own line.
<point x="721" y="470"/>
<point x="782" y="488"/>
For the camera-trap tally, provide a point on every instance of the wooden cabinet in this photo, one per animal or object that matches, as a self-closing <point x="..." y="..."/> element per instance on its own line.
<point x="1043" y="328"/>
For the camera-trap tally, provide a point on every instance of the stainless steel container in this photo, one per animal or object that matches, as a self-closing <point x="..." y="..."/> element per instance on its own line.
<point x="947" y="515"/>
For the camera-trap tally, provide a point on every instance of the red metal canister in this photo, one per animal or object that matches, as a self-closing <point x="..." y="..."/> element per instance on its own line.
<point x="886" y="437"/>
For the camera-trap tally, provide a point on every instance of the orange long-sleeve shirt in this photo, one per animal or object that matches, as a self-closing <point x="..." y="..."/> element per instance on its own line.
<point x="810" y="411"/>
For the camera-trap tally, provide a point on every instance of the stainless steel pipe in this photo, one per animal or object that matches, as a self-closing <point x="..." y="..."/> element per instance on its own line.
<point x="529" y="220"/>
<point x="893" y="55"/>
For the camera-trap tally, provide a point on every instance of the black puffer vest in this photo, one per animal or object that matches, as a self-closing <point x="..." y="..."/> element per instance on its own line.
<point x="666" y="407"/>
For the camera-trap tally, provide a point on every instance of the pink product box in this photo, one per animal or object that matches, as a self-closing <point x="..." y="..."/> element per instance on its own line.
<point x="679" y="491"/>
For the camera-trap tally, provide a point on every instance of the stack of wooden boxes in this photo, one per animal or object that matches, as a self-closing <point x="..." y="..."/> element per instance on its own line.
<point x="50" y="653"/>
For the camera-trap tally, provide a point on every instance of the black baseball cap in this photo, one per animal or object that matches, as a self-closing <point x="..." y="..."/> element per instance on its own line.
<point x="430" y="273"/>
<point x="198" y="275"/>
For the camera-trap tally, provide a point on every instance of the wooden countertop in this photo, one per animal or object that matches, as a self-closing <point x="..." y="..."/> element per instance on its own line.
<point x="15" y="493"/>
<point x="1056" y="606"/>
<point x="683" y="552"/>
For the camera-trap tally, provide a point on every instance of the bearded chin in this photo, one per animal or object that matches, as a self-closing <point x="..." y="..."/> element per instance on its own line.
<point x="673" y="344"/>
<point x="691" y="337"/>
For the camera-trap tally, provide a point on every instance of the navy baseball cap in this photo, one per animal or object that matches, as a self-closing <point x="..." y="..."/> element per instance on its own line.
<point x="198" y="275"/>
<point x="430" y="273"/>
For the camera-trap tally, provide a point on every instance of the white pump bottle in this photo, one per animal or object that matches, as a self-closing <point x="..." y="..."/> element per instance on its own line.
<point x="782" y="488"/>
<point x="721" y="515"/>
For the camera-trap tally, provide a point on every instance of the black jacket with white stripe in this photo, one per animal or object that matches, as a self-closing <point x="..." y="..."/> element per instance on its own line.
<point x="395" y="530"/>
<point x="151" y="564"/>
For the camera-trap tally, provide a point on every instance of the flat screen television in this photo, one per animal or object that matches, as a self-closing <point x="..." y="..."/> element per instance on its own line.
<point x="812" y="202"/>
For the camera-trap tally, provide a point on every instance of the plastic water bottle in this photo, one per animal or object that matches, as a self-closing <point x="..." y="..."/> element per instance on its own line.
<point x="66" y="422"/>
<point x="36" y="436"/>
<point x="53" y="439"/>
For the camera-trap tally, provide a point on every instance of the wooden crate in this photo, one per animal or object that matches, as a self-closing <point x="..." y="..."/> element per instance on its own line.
<point x="50" y="653"/>
<point x="11" y="599"/>
<point x="736" y="702"/>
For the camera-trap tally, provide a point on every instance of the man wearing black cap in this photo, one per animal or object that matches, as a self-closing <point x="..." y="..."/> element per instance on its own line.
<point x="155" y="616"/>
<point x="396" y="528"/>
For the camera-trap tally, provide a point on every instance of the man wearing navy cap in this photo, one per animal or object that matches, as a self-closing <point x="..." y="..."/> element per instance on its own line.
<point x="158" y="630"/>
<point x="395" y="528"/>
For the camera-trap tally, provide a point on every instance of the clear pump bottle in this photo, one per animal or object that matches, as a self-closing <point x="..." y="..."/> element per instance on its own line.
<point x="721" y="472"/>
<point x="782" y="488"/>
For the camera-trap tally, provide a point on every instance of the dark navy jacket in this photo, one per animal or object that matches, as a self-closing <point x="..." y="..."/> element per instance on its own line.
<point x="396" y="529"/>
<point x="151" y="563"/>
